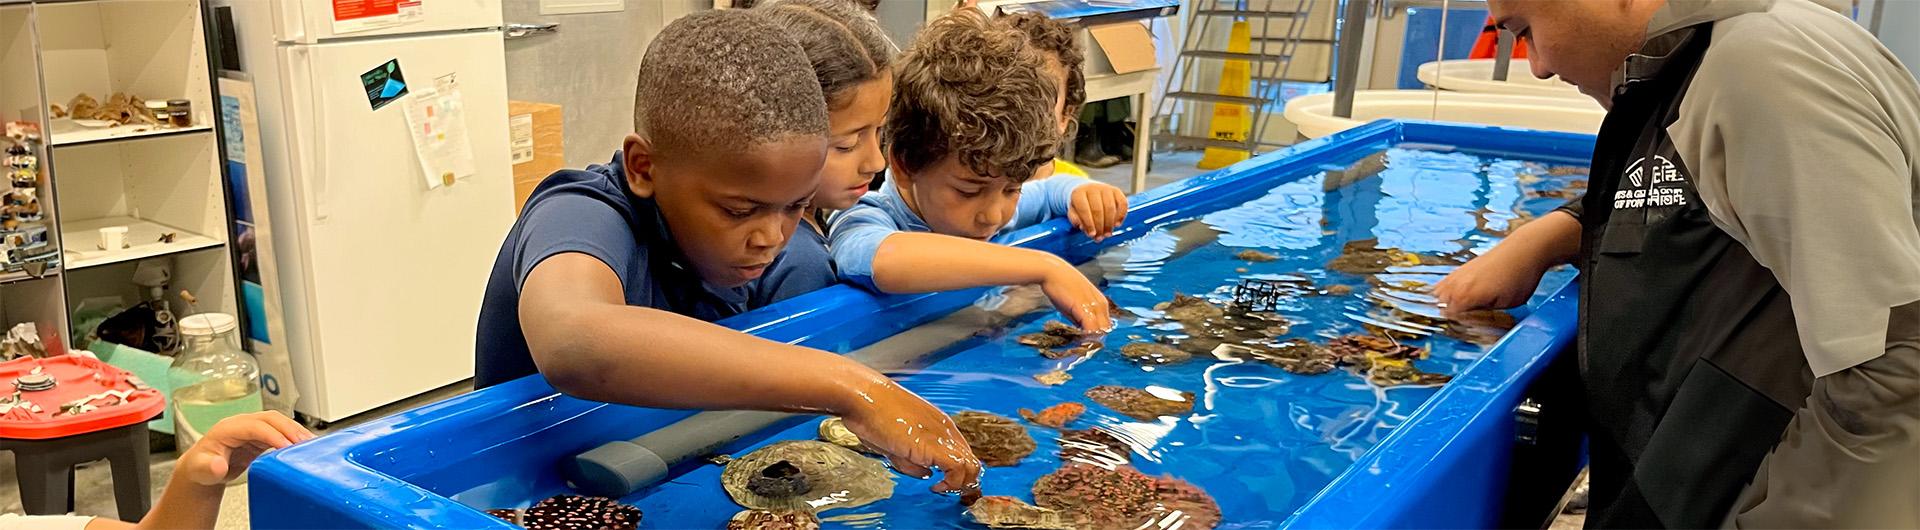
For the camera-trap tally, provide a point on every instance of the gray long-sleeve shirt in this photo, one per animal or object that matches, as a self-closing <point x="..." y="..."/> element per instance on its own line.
<point x="1803" y="134"/>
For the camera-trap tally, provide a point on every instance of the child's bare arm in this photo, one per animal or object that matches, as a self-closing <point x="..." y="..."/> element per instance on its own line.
<point x="913" y="262"/>
<point x="589" y="343"/>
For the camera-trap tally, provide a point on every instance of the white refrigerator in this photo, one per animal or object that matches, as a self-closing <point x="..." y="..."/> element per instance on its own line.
<point x="381" y="274"/>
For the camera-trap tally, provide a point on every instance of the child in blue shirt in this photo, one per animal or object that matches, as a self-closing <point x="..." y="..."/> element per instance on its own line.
<point x="973" y="119"/>
<point x="607" y="281"/>
<point x="852" y="59"/>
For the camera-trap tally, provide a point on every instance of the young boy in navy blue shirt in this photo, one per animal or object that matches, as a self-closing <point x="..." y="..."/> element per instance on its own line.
<point x="973" y="119"/>
<point x="608" y="280"/>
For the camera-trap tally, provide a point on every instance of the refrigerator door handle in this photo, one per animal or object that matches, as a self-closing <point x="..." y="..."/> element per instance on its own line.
<point x="288" y="16"/>
<point x="317" y="176"/>
<point x="521" y="31"/>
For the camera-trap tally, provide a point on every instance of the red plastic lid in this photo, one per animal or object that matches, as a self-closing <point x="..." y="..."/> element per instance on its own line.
<point x="39" y="415"/>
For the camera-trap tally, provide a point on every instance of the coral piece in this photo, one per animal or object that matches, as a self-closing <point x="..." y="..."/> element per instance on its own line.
<point x="836" y="477"/>
<point x="1154" y="353"/>
<point x="999" y="511"/>
<point x="1197" y="345"/>
<point x="1300" y="357"/>
<point x="774" y="520"/>
<point x="1255" y="256"/>
<point x="997" y="440"/>
<point x="1057" y="416"/>
<point x="1094" y="497"/>
<point x="1043" y="340"/>
<point x="1360" y="350"/>
<point x="1053" y="378"/>
<point x="1187" y="309"/>
<point x="1398" y="372"/>
<point x="1094" y="447"/>
<point x="1338" y="290"/>
<point x="1139" y="404"/>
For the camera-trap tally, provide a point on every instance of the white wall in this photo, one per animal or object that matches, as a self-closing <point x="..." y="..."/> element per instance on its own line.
<point x="1900" y="30"/>
<point x="589" y="68"/>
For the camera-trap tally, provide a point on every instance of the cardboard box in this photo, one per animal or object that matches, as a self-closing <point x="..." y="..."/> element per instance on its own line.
<point x="1121" y="48"/>
<point x="536" y="135"/>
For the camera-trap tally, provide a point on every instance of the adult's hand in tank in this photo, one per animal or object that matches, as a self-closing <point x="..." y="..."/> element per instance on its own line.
<point x="1097" y="209"/>
<point x="225" y="451"/>
<point x="914" y="436"/>
<point x="1075" y="296"/>
<point x="1506" y="276"/>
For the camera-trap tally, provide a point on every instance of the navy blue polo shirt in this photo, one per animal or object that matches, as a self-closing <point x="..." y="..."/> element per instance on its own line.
<point x="592" y="212"/>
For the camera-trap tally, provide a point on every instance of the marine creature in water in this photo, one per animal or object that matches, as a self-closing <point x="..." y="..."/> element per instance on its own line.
<point x="1183" y="505"/>
<point x="1094" y="447"/>
<point x="1196" y="345"/>
<point x="1255" y="256"/>
<point x="834" y="430"/>
<point x="1055" y="334"/>
<point x="1359" y="351"/>
<point x="1562" y="171"/>
<point x="997" y="440"/>
<point x="1139" y="404"/>
<point x="1396" y="372"/>
<point x="1094" y="497"/>
<point x="1337" y="290"/>
<point x="1185" y="308"/>
<point x="1154" y="353"/>
<point x="1483" y="327"/>
<point x="1300" y="357"/>
<point x="833" y="477"/>
<point x="1043" y="340"/>
<point x="569" y="512"/>
<point x="1053" y="378"/>
<point x="999" y="511"/>
<point x="774" y="520"/>
<point x="1057" y="416"/>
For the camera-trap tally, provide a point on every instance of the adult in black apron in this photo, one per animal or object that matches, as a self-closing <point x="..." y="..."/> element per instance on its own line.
<point x="1688" y="353"/>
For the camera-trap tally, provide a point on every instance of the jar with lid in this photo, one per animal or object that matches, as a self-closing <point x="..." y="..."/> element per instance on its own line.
<point x="158" y="111"/>
<point x="212" y="378"/>
<point x="179" y="113"/>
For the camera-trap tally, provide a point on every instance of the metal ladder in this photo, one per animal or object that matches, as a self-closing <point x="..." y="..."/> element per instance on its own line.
<point x="1267" y="53"/>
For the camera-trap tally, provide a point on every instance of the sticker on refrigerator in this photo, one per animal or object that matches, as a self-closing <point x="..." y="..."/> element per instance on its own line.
<point x="438" y="121"/>
<point x="353" y="16"/>
<point x="384" y="84"/>
<point x="520" y="129"/>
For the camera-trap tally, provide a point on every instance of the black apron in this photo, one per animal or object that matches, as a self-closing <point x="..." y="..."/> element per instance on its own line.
<point x="1688" y="355"/>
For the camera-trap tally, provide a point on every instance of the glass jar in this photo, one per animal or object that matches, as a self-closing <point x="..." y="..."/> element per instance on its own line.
<point x="158" y="111"/>
<point x="179" y="113"/>
<point x="212" y="378"/>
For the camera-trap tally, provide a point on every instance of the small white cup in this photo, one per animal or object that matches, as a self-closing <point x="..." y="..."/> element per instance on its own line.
<point x="113" y="238"/>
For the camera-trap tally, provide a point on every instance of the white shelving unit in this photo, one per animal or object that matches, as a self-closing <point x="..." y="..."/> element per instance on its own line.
<point x="155" y="180"/>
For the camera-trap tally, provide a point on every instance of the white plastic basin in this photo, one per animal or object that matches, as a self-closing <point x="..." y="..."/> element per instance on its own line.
<point x="1314" y="114"/>
<point x="1476" y="75"/>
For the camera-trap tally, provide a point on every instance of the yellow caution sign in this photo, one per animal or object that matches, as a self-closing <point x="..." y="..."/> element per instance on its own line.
<point x="1231" y="121"/>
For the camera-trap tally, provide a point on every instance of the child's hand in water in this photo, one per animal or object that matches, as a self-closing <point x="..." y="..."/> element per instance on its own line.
<point x="1097" y="209"/>
<point x="1076" y="297"/>
<point x="230" y="446"/>
<point x="914" y="436"/>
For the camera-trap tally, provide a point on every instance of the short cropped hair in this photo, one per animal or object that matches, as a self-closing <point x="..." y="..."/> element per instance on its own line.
<point x="1056" y="38"/>
<point x="976" y="90"/>
<point x="725" y="79"/>
<point x="845" y="44"/>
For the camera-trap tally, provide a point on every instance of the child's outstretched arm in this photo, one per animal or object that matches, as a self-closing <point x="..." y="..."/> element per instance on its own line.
<point x="192" y="497"/>
<point x="872" y="253"/>
<point x="589" y="343"/>
<point x="1094" y="208"/>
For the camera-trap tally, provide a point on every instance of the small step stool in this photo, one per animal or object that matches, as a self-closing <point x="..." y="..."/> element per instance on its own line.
<point x="68" y="410"/>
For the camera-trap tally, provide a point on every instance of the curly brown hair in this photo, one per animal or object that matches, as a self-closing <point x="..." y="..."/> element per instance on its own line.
<point x="974" y="89"/>
<point x="1057" y="39"/>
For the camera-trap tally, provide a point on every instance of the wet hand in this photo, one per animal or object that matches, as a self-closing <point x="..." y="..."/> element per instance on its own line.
<point x="1076" y="297"/>
<point x="1497" y="280"/>
<point x="1097" y="209"/>
<point x="231" y="445"/>
<point x="915" y="437"/>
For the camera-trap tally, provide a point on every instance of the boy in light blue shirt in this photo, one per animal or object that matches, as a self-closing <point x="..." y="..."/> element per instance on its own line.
<point x="971" y="122"/>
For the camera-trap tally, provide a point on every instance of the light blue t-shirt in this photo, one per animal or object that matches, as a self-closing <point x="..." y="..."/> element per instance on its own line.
<point x="857" y="232"/>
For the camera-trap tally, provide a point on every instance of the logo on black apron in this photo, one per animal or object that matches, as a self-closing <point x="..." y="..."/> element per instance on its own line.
<point x="1654" y="182"/>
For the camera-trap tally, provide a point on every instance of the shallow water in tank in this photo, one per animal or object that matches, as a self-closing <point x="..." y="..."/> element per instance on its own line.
<point x="1262" y="441"/>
